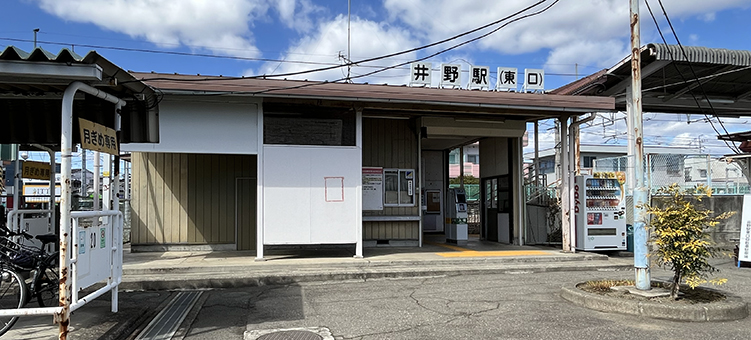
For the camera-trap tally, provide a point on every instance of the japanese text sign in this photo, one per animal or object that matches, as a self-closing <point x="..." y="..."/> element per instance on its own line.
<point x="98" y="137"/>
<point x="35" y="170"/>
<point x="451" y="75"/>
<point x="534" y="79"/>
<point x="506" y="78"/>
<point x="479" y="77"/>
<point x="420" y="73"/>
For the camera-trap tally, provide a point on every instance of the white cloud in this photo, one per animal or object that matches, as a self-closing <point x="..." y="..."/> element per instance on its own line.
<point x="329" y="39"/>
<point x="220" y="26"/>
<point x="595" y="30"/>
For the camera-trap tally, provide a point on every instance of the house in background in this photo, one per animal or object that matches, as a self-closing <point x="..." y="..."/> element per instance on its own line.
<point x="589" y="154"/>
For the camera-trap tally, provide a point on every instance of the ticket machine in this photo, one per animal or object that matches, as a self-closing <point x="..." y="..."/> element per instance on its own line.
<point x="456" y="217"/>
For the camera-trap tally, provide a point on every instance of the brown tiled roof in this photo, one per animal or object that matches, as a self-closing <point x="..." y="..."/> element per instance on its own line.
<point x="488" y="101"/>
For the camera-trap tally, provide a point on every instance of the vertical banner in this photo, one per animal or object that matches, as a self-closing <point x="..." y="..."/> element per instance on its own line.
<point x="744" y="249"/>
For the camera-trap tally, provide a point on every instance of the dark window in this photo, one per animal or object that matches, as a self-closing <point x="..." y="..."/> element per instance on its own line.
<point x="321" y="128"/>
<point x="589" y="161"/>
<point x="474" y="159"/>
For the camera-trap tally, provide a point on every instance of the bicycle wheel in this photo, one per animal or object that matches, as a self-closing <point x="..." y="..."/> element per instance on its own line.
<point x="12" y="295"/>
<point x="46" y="283"/>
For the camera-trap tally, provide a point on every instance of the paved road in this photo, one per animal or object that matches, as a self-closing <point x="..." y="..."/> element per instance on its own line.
<point x="518" y="306"/>
<point x="501" y="306"/>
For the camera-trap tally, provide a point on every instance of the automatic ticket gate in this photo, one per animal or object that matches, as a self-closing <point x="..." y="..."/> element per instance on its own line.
<point x="456" y="217"/>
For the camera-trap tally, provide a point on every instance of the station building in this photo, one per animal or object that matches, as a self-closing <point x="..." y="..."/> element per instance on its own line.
<point x="244" y="163"/>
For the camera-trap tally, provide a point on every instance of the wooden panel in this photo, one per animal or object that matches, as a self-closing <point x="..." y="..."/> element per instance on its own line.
<point x="405" y="230"/>
<point x="190" y="199"/>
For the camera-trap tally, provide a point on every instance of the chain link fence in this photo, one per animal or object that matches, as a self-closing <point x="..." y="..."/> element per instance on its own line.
<point x="685" y="170"/>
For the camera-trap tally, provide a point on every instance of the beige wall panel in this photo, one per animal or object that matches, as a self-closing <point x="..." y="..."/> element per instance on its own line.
<point x="390" y="230"/>
<point x="190" y="199"/>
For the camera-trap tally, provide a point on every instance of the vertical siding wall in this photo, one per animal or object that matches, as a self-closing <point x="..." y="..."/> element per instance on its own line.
<point x="391" y="143"/>
<point x="191" y="199"/>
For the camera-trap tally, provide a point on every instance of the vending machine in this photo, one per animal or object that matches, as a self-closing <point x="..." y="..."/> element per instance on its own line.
<point x="600" y="211"/>
<point x="456" y="221"/>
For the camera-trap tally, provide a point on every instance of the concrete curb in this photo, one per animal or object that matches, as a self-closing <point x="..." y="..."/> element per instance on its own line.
<point x="733" y="308"/>
<point x="364" y="264"/>
<point x="239" y="277"/>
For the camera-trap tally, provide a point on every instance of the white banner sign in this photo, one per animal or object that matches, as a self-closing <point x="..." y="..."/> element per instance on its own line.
<point x="372" y="188"/>
<point x="506" y="79"/>
<point x="451" y="75"/>
<point x="420" y="73"/>
<point x="479" y="77"/>
<point x="744" y="251"/>
<point x="534" y="79"/>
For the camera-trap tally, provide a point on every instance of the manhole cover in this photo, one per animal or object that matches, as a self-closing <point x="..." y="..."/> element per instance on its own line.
<point x="291" y="335"/>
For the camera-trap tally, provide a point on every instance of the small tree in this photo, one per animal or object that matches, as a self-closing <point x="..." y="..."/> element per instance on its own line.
<point x="679" y="232"/>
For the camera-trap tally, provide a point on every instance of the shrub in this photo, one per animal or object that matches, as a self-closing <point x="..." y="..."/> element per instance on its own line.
<point x="680" y="236"/>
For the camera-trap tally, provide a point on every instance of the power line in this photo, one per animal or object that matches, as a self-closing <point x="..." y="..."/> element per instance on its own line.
<point x="401" y="64"/>
<point x="685" y="81"/>
<point x="391" y="55"/>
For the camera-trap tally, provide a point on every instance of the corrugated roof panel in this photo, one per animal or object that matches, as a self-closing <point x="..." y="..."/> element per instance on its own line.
<point x="13" y="53"/>
<point x="705" y="55"/>
<point x="40" y="54"/>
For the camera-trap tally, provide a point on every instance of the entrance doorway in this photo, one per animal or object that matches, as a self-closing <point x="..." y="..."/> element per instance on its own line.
<point x="498" y="209"/>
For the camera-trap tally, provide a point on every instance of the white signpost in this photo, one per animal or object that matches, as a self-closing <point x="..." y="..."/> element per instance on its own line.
<point x="479" y="78"/>
<point x="451" y="75"/>
<point x="744" y="249"/>
<point x="507" y="79"/>
<point x="372" y="188"/>
<point x="534" y="79"/>
<point x="420" y="74"/>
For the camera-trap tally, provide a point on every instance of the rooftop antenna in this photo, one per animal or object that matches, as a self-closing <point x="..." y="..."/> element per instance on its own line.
<point x="36" y="30"/>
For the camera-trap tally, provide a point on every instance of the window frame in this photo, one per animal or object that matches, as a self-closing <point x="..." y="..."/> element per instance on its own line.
<point x="399" y="172"/>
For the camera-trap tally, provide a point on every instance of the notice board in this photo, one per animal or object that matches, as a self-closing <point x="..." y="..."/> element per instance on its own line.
<point x="372" y="188"/>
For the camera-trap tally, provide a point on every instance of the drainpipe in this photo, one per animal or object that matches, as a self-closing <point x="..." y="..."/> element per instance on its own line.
<point x="572" y="137"/>
<point x="66" y="152"/>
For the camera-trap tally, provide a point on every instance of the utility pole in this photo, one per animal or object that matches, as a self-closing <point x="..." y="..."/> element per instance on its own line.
<point x="641" y="233"/>
<point x="36" y="30"/>
<point x="349" y="39"/>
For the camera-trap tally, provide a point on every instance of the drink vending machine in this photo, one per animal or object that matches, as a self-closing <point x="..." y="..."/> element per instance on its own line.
<point x="600" y="211"/>
<point x="456" y="221"/>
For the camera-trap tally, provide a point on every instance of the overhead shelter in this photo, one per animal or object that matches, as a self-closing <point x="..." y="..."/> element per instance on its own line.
<point x="42" y="97"/>
<point x="712" y="81"/>
<point x="290" y="157"/>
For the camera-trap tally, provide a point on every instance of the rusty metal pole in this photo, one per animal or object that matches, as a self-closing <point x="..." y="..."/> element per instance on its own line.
<point x="641" y="231"/>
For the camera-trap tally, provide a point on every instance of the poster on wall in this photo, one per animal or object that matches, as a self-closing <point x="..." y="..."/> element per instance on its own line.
<point x="744" y="249"/>
<point x="372" y="188"/>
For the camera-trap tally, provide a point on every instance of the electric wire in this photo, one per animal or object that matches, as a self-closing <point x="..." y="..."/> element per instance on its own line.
<point x="400" y="64"/>
<point x="367" y="60"/>
<point x="685" y="81"/>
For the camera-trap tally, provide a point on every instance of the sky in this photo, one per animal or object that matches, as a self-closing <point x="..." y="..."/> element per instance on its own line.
<point x="570" y="39"/>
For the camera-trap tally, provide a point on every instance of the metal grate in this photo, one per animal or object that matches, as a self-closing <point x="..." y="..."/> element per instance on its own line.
<point x="165" y="324"/>
<point x="291" y="335"/>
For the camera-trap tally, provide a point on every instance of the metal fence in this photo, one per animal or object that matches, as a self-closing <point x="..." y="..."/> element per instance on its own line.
<point x="685" y="170"/>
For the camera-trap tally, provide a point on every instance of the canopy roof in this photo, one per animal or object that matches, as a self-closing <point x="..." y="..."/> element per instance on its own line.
<point x="31" y="88"/>
<point x="703" y="80"/>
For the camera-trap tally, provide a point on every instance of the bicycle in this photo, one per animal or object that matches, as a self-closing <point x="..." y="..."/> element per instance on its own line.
<point x="16" y="258"/>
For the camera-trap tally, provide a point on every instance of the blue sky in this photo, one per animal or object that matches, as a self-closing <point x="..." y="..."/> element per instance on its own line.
<point x="250" y="37"/>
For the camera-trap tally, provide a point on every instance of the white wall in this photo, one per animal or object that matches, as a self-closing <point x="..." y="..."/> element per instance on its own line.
<point x="188" y="125"/>
<point x="296" y="209"/>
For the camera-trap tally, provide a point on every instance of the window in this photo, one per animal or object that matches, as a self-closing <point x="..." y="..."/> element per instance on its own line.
<point x="588" y="161"/>
<point x="454" y="156"/>
<point x="547" y="166"/>
<point x="474" y="159"/>
<point x="314" y="128"/>
<point x="703" y="173"/>
<point x="399" y="187"/>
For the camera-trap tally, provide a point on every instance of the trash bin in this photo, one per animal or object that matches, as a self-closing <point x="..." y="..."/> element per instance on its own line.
<point x="629" y="238"/>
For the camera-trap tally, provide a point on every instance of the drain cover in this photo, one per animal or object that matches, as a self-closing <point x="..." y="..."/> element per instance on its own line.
<point x="291" y="335"/>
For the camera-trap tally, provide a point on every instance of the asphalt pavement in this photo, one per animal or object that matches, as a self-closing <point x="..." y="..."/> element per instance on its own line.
<point x="482" y="291"/>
